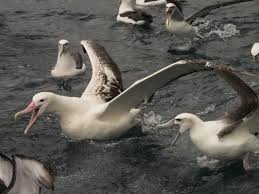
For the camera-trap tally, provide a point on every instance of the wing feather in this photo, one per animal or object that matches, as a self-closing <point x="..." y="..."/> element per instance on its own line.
<point x="106" y="82"/>
<point x="205" y="11"/>
<point x="144" y="88"/>
<point x="249" y="102"/>
<point x="7" y="173"/>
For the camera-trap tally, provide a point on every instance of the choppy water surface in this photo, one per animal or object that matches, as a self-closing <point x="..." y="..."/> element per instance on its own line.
<point x="29" y="32"/>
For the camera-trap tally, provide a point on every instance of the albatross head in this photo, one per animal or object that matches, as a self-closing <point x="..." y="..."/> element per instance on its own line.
<point x="62" y="47"/>
<point x="185" y="121"/>
<point x="40" y="103"/>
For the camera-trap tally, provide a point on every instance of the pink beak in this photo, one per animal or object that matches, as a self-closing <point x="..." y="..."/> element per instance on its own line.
<point x="30" y="108"/>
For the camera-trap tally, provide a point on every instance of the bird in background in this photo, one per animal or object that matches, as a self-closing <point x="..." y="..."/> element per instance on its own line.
<point x="182" y="27"/>
<point x="255" y="50"/>
<point x="128" y="13"/>
<point x="69" y="65"/>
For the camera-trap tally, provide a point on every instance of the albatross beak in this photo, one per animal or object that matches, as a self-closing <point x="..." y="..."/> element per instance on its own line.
<point x="30" y="108"/>
<point x="61" y="48"/>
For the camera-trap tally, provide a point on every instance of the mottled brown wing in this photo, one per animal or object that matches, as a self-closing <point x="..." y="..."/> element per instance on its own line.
<point x="106" y="82"/>
<point x="205" y="11"/>
<point x="249" y="101"/>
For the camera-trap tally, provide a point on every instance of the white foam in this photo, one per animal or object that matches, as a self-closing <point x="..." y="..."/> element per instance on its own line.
<point x="207" y="110"/>
<point x="205" y="162"/>
<point x="150" y="121"/>
<point x="208" y="28"/>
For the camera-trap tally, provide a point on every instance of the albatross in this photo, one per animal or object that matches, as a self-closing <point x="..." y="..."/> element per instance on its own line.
<point x="255" y="50"/>
<point x="179" y="25"/>
<point x="105" y="111"/>
<point x="128" y="13"/>
<point x="23" y="175"/>
<point x="231" y="137"/>
<point x="69" y="64"/>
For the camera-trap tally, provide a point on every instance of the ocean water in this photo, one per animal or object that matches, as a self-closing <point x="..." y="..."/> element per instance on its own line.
<point x="29" y="33"/>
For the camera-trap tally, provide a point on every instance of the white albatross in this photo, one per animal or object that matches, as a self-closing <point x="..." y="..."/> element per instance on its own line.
<point x="255" y="50"/>
<point x="105" y="111"/>
<point x="177" y="24"/>
<point x="68" y="63"/>
<point x="23" y="175"/>
<point x="128" y="13"/>
<point x="231" y="137"/>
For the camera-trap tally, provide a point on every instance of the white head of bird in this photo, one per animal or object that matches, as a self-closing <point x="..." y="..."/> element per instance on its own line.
<point x="63" y="46"/>
<point x="41" y="102"/>
<point x="186" y="121"/>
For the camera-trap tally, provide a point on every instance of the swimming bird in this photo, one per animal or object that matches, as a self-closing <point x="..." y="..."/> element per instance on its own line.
<point x="69" y="64"/>
<point x="128" y="13"/>
<point x="177" y="24"/>
<point x="105" y="111"/>
<point x="23" y="175"/>
<point x="255" y="50"/>
<point x="150" y="2"/>
<point x="231" y="137"/>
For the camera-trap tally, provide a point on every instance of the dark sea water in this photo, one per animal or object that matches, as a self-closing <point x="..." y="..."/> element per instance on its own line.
<point x="29" y="33"/>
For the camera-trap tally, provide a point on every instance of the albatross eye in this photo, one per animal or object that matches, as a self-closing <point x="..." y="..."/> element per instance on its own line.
<point x="179" y="120"/>
<point x="41" y="100"/>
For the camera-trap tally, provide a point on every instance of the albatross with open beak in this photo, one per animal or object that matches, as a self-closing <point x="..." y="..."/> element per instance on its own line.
<point x="231" y="137"/>
<point x="23" y="175"/>
<point x="69" y="64"/>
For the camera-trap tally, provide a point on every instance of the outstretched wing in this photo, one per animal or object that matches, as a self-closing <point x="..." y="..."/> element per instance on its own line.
<point x="106" y="82"/>
<point x="7" y="169"/>
<point x="78" y="59"/>
<point x="205" y="11"/>
<point x="249" y="102"/>
<point x="144" y="88"/>
<point x="31" y="175"/>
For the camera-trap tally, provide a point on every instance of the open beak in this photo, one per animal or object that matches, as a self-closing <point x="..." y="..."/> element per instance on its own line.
<point x="166" y="125"/>
<point x="30" y="108"/>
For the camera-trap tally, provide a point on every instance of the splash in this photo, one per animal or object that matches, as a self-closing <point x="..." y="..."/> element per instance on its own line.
<point x="150" y="121"/>
<point x="207" y="110"/>
<point x="228" y="31"/>
<point x="205" y="162"/>
<point x="208" y="29"/>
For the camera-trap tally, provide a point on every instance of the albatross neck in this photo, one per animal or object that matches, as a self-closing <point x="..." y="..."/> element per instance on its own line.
<point x="61" y="105"/>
